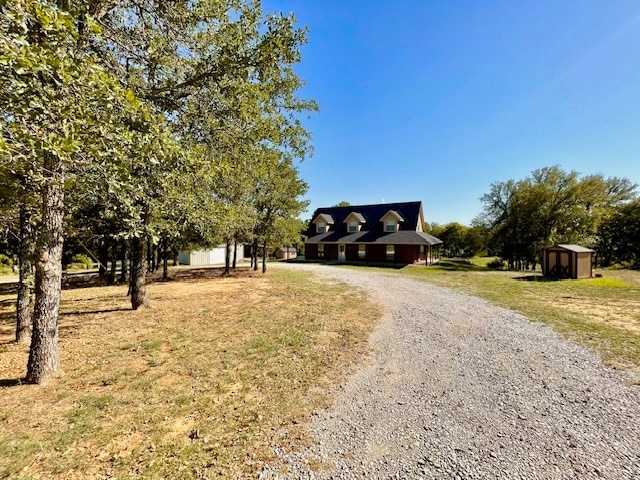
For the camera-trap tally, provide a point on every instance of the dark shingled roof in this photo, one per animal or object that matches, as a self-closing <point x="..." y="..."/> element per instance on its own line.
<point x="372" y="230"/>
<point x="393" y="212"/>
<point x="326" y="216"/>
<point x="357" y="215"/>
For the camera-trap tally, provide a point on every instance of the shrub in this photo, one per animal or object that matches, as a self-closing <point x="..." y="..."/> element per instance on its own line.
<point x="6" y="265"/>
<point x="82" y="261"/>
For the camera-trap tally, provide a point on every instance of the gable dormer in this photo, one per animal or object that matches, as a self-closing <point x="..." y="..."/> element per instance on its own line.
<point x="354" y="222"/>
<point x="323" y="222"/>
<point x="391" y="221"/>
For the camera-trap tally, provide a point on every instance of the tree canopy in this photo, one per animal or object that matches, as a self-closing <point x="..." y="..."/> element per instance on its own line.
<point x="131" y="124"/>
<point x="551" y="206"/>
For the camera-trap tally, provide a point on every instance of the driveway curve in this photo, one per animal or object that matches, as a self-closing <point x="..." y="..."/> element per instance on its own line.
<point x="456" y="388"/>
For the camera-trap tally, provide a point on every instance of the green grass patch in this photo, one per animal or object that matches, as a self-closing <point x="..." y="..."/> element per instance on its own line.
<point x="600" y="313"/>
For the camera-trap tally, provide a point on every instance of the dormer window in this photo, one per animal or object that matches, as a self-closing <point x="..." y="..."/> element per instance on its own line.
<point x="390" y="221"/>
<point x="390" y="226"/>
<point x="323" y="223"/>
<point x="354" y="222"/>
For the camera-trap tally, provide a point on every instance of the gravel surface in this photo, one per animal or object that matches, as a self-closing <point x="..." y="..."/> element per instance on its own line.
<point x="457" y="388"/>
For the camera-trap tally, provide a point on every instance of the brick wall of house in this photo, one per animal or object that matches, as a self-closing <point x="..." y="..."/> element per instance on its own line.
<point x="311" y="251"/>
<point x="407" y="253"/>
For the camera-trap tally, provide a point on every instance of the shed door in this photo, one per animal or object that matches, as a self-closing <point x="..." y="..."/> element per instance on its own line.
<point x="559" y="263"/>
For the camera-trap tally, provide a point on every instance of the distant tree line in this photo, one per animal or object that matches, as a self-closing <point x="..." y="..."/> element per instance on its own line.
<point x="521" y="218"/>
<point x="459" y="240"/>
<point x="131" y="128"/>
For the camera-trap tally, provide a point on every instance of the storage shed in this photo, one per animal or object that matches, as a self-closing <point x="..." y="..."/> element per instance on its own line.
<point x="567" y="261"/>
<point x="286" y="253"/>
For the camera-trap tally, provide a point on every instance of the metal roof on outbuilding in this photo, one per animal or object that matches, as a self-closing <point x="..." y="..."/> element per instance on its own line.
<point x="575" y="248"/>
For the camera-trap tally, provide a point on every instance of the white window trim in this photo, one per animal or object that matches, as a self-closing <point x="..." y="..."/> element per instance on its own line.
<point x="388" y="223"/>
<point x="392" y="255"/>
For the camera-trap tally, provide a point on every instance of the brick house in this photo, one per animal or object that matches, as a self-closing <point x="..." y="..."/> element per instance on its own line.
<point x="382" y="233"/>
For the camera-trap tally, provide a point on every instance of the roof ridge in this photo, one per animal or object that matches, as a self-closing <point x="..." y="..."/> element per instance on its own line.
<point x="372" y="205"/>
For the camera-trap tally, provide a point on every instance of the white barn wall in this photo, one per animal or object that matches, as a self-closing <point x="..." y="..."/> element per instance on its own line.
<point x="213" y="256"/>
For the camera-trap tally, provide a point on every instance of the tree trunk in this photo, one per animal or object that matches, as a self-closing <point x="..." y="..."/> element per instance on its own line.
<point x="123" y="262"/>
<point x="165" y="259"/>
<point x="235" y="254"/>
<point x="111" y="278"/>
<point x="264" y="257"/>
<point x="227" y="258"/>
<point x="148" y="255"/>
<point x="103" y="258"/>
<point x="175" y="257"/>
<point x="43" y="354"/>
<point x="130" y="289"/>
<point x="255" y="254"/>
<point x="139" y="297"/>
<point x="24" y="303"/>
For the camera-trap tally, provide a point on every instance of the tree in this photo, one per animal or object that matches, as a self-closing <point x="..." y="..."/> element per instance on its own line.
<point x="277" y="203"/>
<point x="618" y="236"/>
<point x="222" y="102"/>
<point x="62" y="114"/>
<point x="549" y="206"/>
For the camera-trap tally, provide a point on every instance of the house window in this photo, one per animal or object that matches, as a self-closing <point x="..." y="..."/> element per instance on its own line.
<point x="321" y="250"/>
<point x="362" y="251"/>
<point x="391" y="252"/>
<point x="390" y="226"/>
<point x="353" y="227"/>
<point x="321" y="227"/>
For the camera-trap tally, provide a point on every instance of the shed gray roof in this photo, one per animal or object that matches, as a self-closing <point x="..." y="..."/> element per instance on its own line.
<point x="575" y="248"/>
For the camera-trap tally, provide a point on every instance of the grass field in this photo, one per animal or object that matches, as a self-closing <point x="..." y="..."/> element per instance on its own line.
<point x="601" y="313"/>
<point x="198" y="387"/>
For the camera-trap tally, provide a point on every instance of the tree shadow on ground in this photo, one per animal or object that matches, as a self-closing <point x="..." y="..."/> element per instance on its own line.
<point x="11" y="382"/>
<point x="92" y="312"/>
<point x="457" y="265"/>
<point x="86" y="280"/>
<point x="538" y="277"/>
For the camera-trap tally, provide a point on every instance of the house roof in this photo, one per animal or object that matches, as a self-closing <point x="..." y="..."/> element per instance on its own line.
<point x="356" y="215"/>
<point x="395" y="214"/>
<point x="372" y="230"/>
<point x="575" y="248"/>
<point x="325" y="216"/>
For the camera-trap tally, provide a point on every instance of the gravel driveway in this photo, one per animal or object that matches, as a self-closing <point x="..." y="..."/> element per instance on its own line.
<point x="457" y="388"/>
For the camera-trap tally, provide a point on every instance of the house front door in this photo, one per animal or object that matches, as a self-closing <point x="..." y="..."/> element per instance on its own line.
<point x="341" y="254"/>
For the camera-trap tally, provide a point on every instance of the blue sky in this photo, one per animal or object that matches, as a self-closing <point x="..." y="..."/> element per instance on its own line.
<point x="435" y="100"/>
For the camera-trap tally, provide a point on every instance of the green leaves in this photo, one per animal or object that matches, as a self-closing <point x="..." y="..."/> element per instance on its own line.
<point x="551" y="206"/>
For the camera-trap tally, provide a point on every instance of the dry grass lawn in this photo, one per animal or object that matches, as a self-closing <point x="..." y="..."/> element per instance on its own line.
<point x="200" y="386"/>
